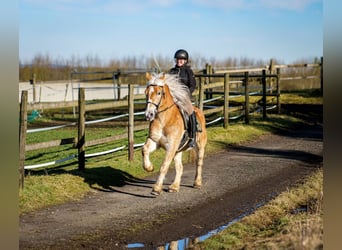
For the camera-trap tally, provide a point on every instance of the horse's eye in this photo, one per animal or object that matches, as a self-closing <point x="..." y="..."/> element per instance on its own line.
<point x="159" y="93"/>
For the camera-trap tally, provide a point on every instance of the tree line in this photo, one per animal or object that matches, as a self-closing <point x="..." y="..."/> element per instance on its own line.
<point x="47" y="68"/>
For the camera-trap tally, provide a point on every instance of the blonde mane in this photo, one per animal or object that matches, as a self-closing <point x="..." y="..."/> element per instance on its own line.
<point x="180" y="92"/>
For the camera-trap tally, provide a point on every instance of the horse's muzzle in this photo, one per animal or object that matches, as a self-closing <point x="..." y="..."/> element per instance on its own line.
<point x="149" y="115"/>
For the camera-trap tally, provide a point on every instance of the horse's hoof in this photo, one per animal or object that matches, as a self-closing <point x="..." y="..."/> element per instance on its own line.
<point x="149" y="169"/>
<point x="155" y="193"/>
<point x="172" y="190"/>
<point x="197" y="186"/>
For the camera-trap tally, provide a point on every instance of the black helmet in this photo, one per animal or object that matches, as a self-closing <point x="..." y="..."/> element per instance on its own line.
<point x="181" y="54"/>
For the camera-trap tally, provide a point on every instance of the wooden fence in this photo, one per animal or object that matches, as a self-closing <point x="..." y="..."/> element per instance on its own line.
<point x="209" y="84"/>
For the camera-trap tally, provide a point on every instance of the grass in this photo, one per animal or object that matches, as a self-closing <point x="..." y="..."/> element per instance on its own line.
<point x="293" y="220"/>
<point x="44" y="190"/>
<point x="302" y="97"/>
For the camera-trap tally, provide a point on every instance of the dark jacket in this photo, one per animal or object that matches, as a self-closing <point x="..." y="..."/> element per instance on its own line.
<point x="186" y="75"/>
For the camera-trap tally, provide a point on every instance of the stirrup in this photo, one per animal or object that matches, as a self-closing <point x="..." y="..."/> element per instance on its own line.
<point x="191" y="143"/>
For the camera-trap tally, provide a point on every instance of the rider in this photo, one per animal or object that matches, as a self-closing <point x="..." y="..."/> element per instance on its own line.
<point x="187" y="77"/>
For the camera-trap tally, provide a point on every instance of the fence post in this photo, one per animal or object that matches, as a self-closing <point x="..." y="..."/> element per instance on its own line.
<point x="208" y="71"/>
<point x="22" y="137"/>
<point x="119" y="85"/>
<point x="263" y="94"/>
<point x="33" y="82"/>
<point x="195" y="97"/>
<point x="271" y="69"/>
<point x="278" y="90"/>
<point x="114" y="83"/>
<point x="226" y="101"/>
<point x="81" y="129"/>
<point x="200" y="94"/>
<point x="246" y="98"/>
<point x="131" y="122"/>
<point x="322" y="75"/>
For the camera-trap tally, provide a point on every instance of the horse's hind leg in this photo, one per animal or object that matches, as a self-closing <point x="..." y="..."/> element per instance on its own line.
<point x="201" y="143"/>
<point x="174" y="187"/>
<point x="199" y="165"/>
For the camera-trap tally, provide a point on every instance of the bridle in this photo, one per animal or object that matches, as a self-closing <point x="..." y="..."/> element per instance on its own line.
<point x="162" y="95"/>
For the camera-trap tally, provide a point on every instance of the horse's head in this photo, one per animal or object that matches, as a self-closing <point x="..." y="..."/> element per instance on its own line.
<point x="154" y="93"/>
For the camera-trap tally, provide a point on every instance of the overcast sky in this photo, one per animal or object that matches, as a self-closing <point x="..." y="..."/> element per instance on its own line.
<point x="287" y="30"/>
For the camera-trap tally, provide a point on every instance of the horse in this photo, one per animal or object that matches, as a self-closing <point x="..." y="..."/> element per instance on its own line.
<point x="165" y="96"/>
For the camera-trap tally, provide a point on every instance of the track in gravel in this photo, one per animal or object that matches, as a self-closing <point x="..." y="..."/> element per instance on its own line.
<point x="234" y="182"/>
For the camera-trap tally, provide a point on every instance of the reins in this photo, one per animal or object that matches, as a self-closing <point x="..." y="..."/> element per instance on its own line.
<point x="167" y="107"/>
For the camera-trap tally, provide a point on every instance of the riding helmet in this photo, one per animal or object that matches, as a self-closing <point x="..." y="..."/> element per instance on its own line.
<point x="181" y="54"/>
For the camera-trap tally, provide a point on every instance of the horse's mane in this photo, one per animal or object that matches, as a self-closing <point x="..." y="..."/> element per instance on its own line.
<point x="180" y="92"/>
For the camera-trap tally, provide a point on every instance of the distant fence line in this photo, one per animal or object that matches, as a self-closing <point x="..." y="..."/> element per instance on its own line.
<point x="115" y="87"/>
<point x="204" y="94"/>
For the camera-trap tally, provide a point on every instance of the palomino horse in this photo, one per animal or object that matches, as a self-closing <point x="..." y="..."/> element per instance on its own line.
<point x="164" y="100"/>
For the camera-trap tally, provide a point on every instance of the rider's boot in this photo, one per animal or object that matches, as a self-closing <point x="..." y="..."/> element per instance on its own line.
<point x="192" y="129"/>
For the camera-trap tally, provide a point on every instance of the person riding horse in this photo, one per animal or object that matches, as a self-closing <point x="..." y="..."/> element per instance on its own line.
<point x="187" y="77"/>
<point x="167" y="101"/>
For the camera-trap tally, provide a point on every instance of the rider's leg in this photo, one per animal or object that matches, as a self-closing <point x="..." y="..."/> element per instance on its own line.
<point x="192" y="129"/>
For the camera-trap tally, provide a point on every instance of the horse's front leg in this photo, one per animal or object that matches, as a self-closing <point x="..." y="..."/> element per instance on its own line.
<point x="158" y="186"/>
<point x="174" y="187"/>
<point x="148" y="148"/>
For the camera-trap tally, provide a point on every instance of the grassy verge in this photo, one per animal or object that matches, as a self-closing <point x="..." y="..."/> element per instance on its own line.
<point x="293" y="220"/>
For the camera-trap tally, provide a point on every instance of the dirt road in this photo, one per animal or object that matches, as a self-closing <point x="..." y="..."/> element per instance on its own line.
<point x="235" y="181"/>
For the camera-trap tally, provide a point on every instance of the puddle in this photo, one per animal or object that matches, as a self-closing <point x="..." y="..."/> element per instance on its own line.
<point x="185" y="243"/>
<point x="135" y="245"/>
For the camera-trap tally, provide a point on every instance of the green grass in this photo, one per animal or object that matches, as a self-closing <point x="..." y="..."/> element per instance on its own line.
<point x="43" y="190"/>
<point x="302" y="97"/>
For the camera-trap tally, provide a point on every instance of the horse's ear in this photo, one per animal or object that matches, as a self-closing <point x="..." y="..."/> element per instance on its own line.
<point x="162" y="77"/>
<point x="148" y="76"/>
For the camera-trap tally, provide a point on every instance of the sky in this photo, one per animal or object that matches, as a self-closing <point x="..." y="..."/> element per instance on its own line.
<point x="288" y="30"/>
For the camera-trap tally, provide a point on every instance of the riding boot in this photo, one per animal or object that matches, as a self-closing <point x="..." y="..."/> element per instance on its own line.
<point x="192" y="129"/>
